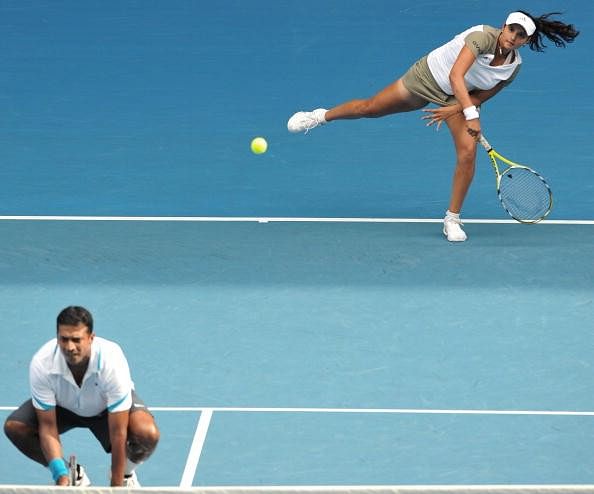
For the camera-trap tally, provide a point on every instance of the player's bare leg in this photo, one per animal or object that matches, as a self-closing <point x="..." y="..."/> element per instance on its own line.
<point x="26" y="439"/>
<point x="143" y="436"/>
<point x="394" y="98"/>
<point x="465" y="146"/>
<point x="463" y="174"/>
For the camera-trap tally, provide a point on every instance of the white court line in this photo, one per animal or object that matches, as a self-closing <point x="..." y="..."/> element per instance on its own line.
<point x="276" y="219"/>
<point x="417" y="411"/>
<point x="208" y="411"/>
<point x="196" y="449"/>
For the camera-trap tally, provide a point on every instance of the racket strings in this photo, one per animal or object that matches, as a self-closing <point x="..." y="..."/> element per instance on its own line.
<point x="524" y="194"/>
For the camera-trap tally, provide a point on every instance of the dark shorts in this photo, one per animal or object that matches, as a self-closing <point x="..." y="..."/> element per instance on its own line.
<point x="68" y="420"/>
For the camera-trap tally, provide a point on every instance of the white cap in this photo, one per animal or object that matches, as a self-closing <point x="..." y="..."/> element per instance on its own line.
<point x="523" y="20"/>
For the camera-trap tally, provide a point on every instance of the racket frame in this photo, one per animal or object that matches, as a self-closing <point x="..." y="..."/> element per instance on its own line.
<point x="494" y="156"/>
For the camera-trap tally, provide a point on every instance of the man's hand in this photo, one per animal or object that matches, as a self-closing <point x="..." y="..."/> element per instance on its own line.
<point x="64" y="480"/>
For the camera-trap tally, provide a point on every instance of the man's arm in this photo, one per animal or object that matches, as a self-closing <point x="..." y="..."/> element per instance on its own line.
<point x="118" y="435"/>
<point x="49" y="439"/>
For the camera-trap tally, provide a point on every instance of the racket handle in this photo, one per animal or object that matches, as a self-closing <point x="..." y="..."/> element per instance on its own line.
<point x="72" y="469"/>
<point x="483" y="141"/>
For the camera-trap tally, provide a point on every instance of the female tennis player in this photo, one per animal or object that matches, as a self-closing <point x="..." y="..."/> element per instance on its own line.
<point x="458" y="76"/>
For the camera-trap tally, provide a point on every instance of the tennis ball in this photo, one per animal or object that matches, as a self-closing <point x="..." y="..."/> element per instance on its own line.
<point x="259" y="145"/>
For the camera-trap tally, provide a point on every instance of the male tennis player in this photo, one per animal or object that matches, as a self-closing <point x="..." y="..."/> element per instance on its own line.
<point x="81" y="380"/>
<point x="458" y="76"/>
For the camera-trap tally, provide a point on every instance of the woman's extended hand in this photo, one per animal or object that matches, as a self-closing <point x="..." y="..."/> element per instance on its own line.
<point x="437" y="116"/>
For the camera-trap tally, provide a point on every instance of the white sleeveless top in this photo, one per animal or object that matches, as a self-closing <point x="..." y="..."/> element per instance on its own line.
<point x="482" y="40"/>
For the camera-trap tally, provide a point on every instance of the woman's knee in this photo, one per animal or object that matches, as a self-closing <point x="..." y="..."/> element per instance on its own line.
<point x="366" y="108"/>
<point x="466" y="156"/>
<point x="374" y="108"/>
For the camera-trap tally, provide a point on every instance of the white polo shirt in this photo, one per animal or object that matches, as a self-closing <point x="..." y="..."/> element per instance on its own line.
<point x="106" y="385"/>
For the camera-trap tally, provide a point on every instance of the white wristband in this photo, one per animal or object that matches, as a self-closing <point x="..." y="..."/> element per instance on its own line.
<point x="471" y="113"/>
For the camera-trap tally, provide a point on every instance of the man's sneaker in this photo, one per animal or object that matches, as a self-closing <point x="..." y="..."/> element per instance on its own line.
<point x="81" y="479"/>
<point x="306" y="120"/>
<point x="452" y="229"/>
<point x="131" y="480"/>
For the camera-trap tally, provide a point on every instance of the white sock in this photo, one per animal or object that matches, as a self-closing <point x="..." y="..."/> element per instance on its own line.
<point x="452" y="215"/>
<point x="130" y="467"/>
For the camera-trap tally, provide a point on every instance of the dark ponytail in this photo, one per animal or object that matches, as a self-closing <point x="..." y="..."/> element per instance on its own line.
<point x="556" y="31"/>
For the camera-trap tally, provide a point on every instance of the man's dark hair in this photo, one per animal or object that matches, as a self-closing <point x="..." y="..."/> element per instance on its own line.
<point x="75" y="315"/>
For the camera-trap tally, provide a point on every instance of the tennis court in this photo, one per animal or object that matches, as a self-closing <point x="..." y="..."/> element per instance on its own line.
<point x="297" y="318"/>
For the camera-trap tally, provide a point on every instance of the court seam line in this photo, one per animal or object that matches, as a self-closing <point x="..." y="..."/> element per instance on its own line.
<point x="193" y="458"/>
<point x="264" y="219"/>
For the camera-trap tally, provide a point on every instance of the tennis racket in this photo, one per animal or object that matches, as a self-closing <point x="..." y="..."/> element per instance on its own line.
<point x="523" y="193"/>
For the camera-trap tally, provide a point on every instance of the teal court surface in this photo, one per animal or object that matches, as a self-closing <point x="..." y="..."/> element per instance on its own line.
<point x="322" y="353"/>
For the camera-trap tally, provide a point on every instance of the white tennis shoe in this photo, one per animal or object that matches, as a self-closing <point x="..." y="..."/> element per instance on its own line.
<point x="80" y="478"/>
<point x="452" y="229"/>
<point x="131" y="480"/>
<point x="304" y="121"/>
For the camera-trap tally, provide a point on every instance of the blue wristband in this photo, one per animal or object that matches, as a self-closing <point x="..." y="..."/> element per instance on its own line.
<point x="58" y="468"/>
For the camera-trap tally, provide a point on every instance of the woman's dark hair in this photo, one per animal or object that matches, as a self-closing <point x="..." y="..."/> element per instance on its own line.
<point x="556" y="31"/>
<point x="75" y="315"/>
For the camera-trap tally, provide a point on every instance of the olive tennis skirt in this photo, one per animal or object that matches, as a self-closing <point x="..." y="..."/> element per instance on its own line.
<point x="419" y="80"/>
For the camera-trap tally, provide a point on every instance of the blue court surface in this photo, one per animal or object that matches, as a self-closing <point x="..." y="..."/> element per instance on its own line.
<point x="297" y="318"/>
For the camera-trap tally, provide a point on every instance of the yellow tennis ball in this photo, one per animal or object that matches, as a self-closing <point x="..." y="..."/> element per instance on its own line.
<point x="259" y="145"/>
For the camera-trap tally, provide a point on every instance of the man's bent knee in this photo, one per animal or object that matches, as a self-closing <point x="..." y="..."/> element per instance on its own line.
<point x="139" y="448"/>
<point x="143" y="436"/>
<point x="15" y="430"/>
